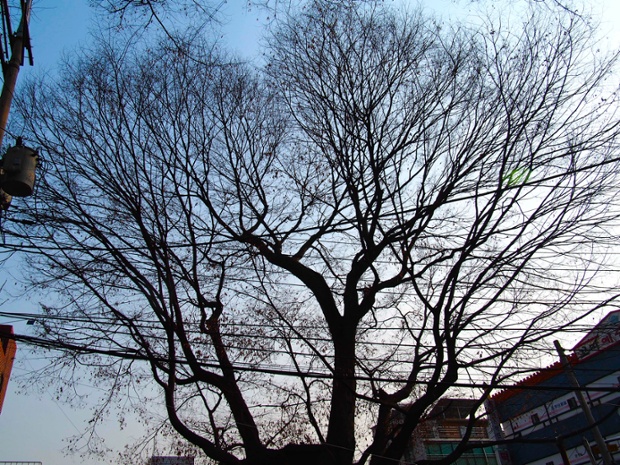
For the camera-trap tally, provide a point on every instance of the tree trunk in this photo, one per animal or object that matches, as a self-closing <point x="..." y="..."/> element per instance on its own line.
<point x="341" y="432"/>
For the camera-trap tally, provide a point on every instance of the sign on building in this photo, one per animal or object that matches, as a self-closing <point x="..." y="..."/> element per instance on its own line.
<point x="606" y="333"/>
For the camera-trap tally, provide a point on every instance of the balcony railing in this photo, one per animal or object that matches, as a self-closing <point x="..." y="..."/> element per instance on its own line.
<point x="452" y="432"/>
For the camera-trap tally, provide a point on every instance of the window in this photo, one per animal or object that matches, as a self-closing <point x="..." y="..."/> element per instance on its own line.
<point x="535" y="419"/>
<point x="572" y="404"/>
<point x="478" y="456"/>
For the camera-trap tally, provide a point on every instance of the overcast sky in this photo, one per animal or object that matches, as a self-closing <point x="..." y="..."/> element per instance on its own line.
<point x="33" y="426"/>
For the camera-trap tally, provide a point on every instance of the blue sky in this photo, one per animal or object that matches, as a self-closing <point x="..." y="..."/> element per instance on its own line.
<point x="34" y="426"/>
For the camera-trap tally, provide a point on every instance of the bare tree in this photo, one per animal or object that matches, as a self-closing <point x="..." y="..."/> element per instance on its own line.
<point x="151" y="10"/>
<point x="388" y="210"/>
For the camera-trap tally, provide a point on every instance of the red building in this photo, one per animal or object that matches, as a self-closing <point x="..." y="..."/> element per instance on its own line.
<point x="7" y="355"/>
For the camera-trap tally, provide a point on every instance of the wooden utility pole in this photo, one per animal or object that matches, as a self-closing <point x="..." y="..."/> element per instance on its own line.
<point x="18" y="42"/>
<point x="560" y="443"/>
<point x="598" y="437"/>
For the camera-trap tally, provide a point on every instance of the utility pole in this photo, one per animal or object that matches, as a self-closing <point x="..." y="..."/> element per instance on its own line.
<point x="598" y="437"/>
<point x="560" y="443"/>
<point x="18" y="42"/>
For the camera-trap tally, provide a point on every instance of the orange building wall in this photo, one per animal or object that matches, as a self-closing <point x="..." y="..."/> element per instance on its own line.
<point x="7" y="355"/>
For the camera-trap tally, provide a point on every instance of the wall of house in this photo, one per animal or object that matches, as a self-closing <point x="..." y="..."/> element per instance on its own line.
<point x="442" y="431"/>
<point x="546" y="408"/>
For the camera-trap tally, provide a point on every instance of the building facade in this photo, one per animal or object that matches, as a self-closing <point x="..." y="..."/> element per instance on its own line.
<point x="443" y="430"/>
<point x="543" y="419"/>
<point x="7" y="355"/>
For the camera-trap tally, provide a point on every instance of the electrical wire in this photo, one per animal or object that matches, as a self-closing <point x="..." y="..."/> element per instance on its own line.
<point x="270" y="337"/>
<point x="289" y="370"/>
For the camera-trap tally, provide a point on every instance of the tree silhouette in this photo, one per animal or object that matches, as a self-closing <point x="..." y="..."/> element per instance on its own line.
<point x="388" y="209"/>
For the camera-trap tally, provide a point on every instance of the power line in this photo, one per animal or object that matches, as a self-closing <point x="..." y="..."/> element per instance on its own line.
<point x="18" y="316"/>
<point x="288" y="370"/>
<point x="400" y="344"/>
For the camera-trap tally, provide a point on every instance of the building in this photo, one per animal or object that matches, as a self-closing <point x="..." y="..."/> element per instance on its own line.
<point x="171" y="460"/>
<point x="444" y="428"/>
<point x="543" y="416"/>
<point x="7" y="355"/>
<point x="19" y="462"/>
